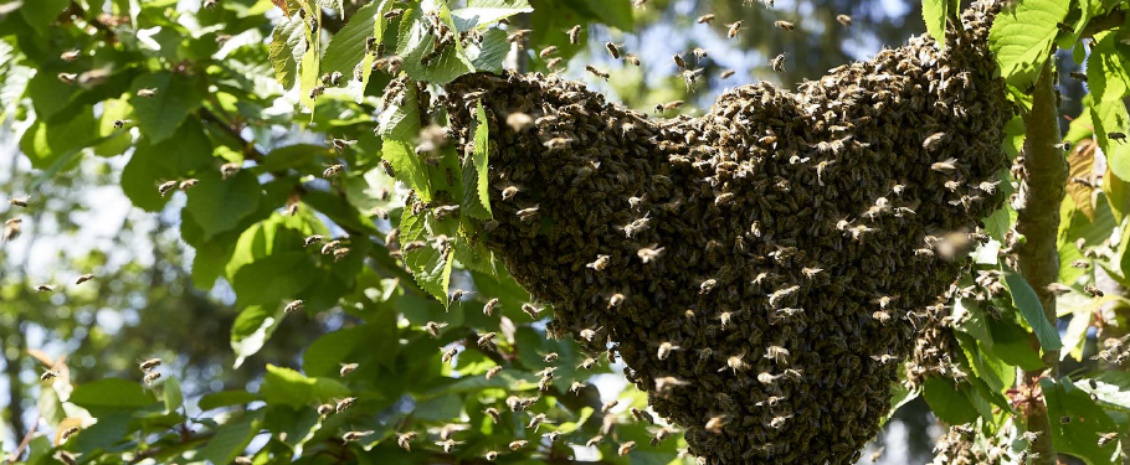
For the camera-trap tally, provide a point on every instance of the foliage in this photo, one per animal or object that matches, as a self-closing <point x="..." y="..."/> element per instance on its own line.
<point x="171" y="93"/>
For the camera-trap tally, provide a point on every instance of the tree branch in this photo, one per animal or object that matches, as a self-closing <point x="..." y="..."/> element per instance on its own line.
<point x="1104" y="23"/>
<point x="1042" y="190"/>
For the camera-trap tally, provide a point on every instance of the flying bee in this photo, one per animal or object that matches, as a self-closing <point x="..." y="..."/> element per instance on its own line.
<point x="550" y="357"/>
<point x="715" y="424"/>
<point x="387" y="167"/>
<point x="778" y="63"/>
<point x="690" y="78"/>
<point x="166" y="187"/>
<point x="84" y="278"/>
<point x="449" y="354"/>
<point x="347" y="368"/>
<point x="778" y="422"/>
<point x="494" y="414"/>
<point x="682" y="64"/>
<point x="493" y="371"/>
<point x="344" y="404"/>
<point x="632" y="59"/>
<point x="735" y="363"/>
<point x="1081" y="264"/>
<point x="553" y="63"/>
<point x="70" y="55"/>
<point x="19" y="201"/>
<point x="844" y="20"/>
<point x="613" y="50"/>
<point x="594" y="440"/>
<point x="352" y="436"/>
<point x="777" y="354"/>
<point x="490" y="455"/>
<point x="574" y="34"/>
<point x="665" y="349"/>
<point x="325" y="410"/>
<point x="600" y="263"/>
<point x="734" y="29"/>
<point x="642" y="416"/>
<point x="597" y="72"/>
<point x="48" y="375"/>
<point x="394" y="13"/>
<point x="531" y="310"/>
<point x="608" y="406"/>
<point x="121" y="123"/>
<point x="933" y="141"/>
<point x="1093" y="291"/>
<point x="528" y="214"/>
<point x="881" y="316"/>
<point x="433" y="328"/>
<point x="1107" y="438"/>
<point x="626" y="447"/>
<point x="149" y="365"/>
<point x="649" y="253"/>
<point x="147" y="93"/>
<point x="515" y="445"/>
<point x="486" y="340"/>
<point x="536" y="421"/>
<point x="67" y="433"/>
<point x="670" y="106"/>
<point x="151" y="377"/>
<point x="546" y="52"/>
<point x="1117" y="136"/>
<point x="884" y="358"/>
<point x="491" y="304"/>
<point x="45" y="287"/>
<point x="67" y="457"/>
<point x="784" y="25"/>
<point x="404" y="440"/>
<point x="519" y="122"/>
<point x="705" y="19"/>
<point x="294" y="306"/>
<point x="67" y="78"/>
<point x="448" y="445"/>
<point x="727" y="73"/>
<point x="228" y="170"/>
<point x="946" y="166"/>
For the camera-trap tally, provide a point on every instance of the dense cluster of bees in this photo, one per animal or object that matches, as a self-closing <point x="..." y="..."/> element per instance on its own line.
<point x="763" y="270"/>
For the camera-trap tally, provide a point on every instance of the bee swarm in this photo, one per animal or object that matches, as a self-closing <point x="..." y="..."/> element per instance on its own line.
<point x="783" y="234"/>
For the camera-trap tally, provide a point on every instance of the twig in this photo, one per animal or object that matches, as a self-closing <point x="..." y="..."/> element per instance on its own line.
<point x="1104" y="23"/>
<point x="26" y="440"/>
<point x="1041" y="192"/>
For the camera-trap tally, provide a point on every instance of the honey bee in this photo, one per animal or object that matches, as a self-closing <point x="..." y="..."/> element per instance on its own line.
<point x="392" y="236"/>
<point x="67" y="433"/>
<point x="934" y="141"/>
<point x="448" y="445"/>
<point x="690" y="78"/>
<point x="493" y="371"/>
<point x="449" y="354"/>
<point x="45" y="287"/>
<point x="294" y="306"/>
<point x="70" y="55"/>
<point x="19" y="201"/>
<point x="844" y="20"/>
<point x="228" y="170"/>
<point x="404" y="440"/>
<point x="715" y="424"/>
<point x="48" y="375"/>
<point x="166" y="187"/>
<point x="597" y="72"/>
<point x="550" y="357"/>
<point x="632" y="59"/>
<point x="394" y="13"/>
<point x="333" y="171"/>
<point x="600" y="263"/>
<point x="679" y="61"/>
<point x="1058" y="288"/>
<point x="528" y="214"/>
<point x="727" y="73"/>
<point x="734" y="29"/>
<point x="1081" y="264"/>
<point x="493" y="413"/>
<point x="344" y="404"/>
<point x="532" y="311"/>
<point x="1107" y="438"/>
<point x="882" y="317"/>
<point x="151" y="377"/>
<point x="665" y="349"/>
<point x="546" y="52"/>
<point x="491" y="304"/>
<point x="778" y="422"/>
<point x="84" y="278"/>
<point x="608" y="406"/>
<point x="329" y="247"/>
<point x="485" y="340"/>
<point x="784" y="25"/>
<point x="626" y="447"/>
<point x="388" y="169"/>
<point x="778" y="63"/>
<point x="519" y="122"/>
<point x="777" y="354"/>
<point x="884" y="358"/>
<point x="735" y="364"/>
<point x="613" y="50"/>
<point x="66" y="457"/>
<point x="67" y="78"/>
<point x="536" y="421"/>
<point x="705" y="19"/>
<point x="149" y="365"/>
<point x="594" y="440"/>
<point x="187" y="184"/>
<point x="147" y="93"/>
<point x="515" y="445"/>
<point x="649" y="253"/>
<point x="1117" y="136"/>
<point x="670" y="106"/>
<point x="1093" y="291"/>
<point x="574" y="34"/>
<point x="490" y="455"/>
<point x="352" y="436"/>
<point x="553" y="63"/>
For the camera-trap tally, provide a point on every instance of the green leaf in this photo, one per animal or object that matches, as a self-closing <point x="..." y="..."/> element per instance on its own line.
<point x="218" y="204"/>
<point x="1111" y="116"/>
<point x="947" y="401"/>
<point x="401" y="122"/>
<point x="1110" y="388"/>
<point x="230" y="440"/>
<point x="288" y="387"/>
<point x="377" y="343"/>
<point x="409" y="168"/>
<point x="40" y="14"/>
<point x="488" y="55"/>
<point x="298" y="157"/>
<point x="480" y="189"/>
<point x="214" y="400"/>
<point x="50" y="407"/>
<point x="335" y="5"/>
<point x="1012" y="345"/>
<point x="347" y="47"/>
<point x="112" y="394"/>
<point x="479" y="14"/>
<point x="46" y="143"/>
<point x="152" y="164"/>
<point x="159" y="116"/>
<point x="1076" y="423"/>
<point x="308" y="77"/>
<point x="615" y="13"/>
<point x="1029" y="305"/>
<point x="173" y="396"/>
<point x="1108" y="72"/>
<point x="288" y="45"/>
<point x="251" y="329"/>
<point x="935" y="12"/>
<point x="1021" y="39"/>
<point x="270" y="280"/>
<point x="120" y="139"/>
<point x="430" y="267"/>
<point x="417" y="41"/>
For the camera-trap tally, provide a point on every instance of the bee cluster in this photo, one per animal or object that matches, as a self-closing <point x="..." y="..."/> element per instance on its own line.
<point x="765" y="269"/>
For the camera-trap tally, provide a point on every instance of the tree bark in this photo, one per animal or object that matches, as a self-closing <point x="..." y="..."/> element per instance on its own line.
<point x="1042" y="190"/>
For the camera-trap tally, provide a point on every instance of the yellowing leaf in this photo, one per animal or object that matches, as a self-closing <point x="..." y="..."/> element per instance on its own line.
<point x="1081" y="178"/>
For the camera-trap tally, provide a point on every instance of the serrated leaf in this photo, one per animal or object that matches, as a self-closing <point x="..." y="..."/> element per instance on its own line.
<point x="214" y="400"/>
<point x="1108" y="71"/>
<point x="947" y="402"/>
<point x="479" y="14"/>
<point x="1021" y="39"/>
<point x="935" y="13"/>
<point x="270" y="280"/>
<point x="1111" y="117"/>
<point x="481" y="158"/>
<point x="401" y="121"/>
<point x="288" y="45"/>
<point x="417" y="42"/>
<point x="409" y="168"/>
<point x="1076" y="422"/>
<point x="1026" y="300"/>
<point x="1082" y="164"/>
<point x="348" y="46"/>
<point x="151" y="164"/>
<point x="159" y="116"/>
<point x="230" y="440"/>
<point x="430" y="267"/>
